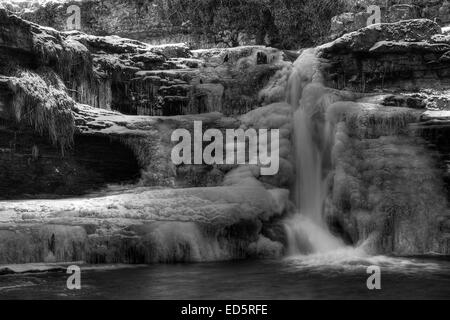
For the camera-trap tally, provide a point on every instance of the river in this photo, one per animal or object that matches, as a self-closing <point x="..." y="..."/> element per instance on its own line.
<point x="331" y="276"/>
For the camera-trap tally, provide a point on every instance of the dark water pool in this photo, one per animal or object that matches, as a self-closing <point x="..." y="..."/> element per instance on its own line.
<point x="314" y="277"/>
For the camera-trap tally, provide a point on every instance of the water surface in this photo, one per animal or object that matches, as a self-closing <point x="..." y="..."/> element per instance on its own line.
<point x="335" y="276"/>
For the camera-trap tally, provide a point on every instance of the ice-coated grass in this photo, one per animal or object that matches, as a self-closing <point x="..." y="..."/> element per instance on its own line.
<point x="40" y="100"/>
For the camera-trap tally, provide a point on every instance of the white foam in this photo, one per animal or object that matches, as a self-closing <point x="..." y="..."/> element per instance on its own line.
<point x="350" y="259"/>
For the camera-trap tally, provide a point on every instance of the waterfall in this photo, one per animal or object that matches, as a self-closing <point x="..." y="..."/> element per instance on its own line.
<point x="306" y="230"/>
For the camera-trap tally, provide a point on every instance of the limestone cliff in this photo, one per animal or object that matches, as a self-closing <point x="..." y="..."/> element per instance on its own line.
<point x="200" y="24"/>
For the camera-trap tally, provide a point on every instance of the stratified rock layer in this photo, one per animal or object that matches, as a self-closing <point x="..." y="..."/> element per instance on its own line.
<point x="390" y="11"/>
<point x="200" y="23"/>
<point x="406" y="55"/>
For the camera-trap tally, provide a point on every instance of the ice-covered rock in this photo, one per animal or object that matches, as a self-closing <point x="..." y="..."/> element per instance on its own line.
<point x="388" y="190"/>
<point x="138" y="226"/>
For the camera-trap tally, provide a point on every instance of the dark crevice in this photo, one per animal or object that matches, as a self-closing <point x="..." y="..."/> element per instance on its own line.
<point x="32" y="168"/>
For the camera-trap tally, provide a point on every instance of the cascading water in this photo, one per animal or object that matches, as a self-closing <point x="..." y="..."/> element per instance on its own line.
<point x="306" y="230"/>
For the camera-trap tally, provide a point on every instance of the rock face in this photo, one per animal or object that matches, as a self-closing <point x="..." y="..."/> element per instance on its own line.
<point x="224" y="80"/>
<point x="201" y="24"/>
<point x="391" y="11"/>
<point x="31" y="167"/>
<point x="161" y="80"/>
<point x="137" y="78"/>
<point x="406" y="55"/>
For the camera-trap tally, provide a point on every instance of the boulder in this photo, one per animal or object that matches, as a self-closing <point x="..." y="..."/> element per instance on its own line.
<point x="364" y="39"/>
